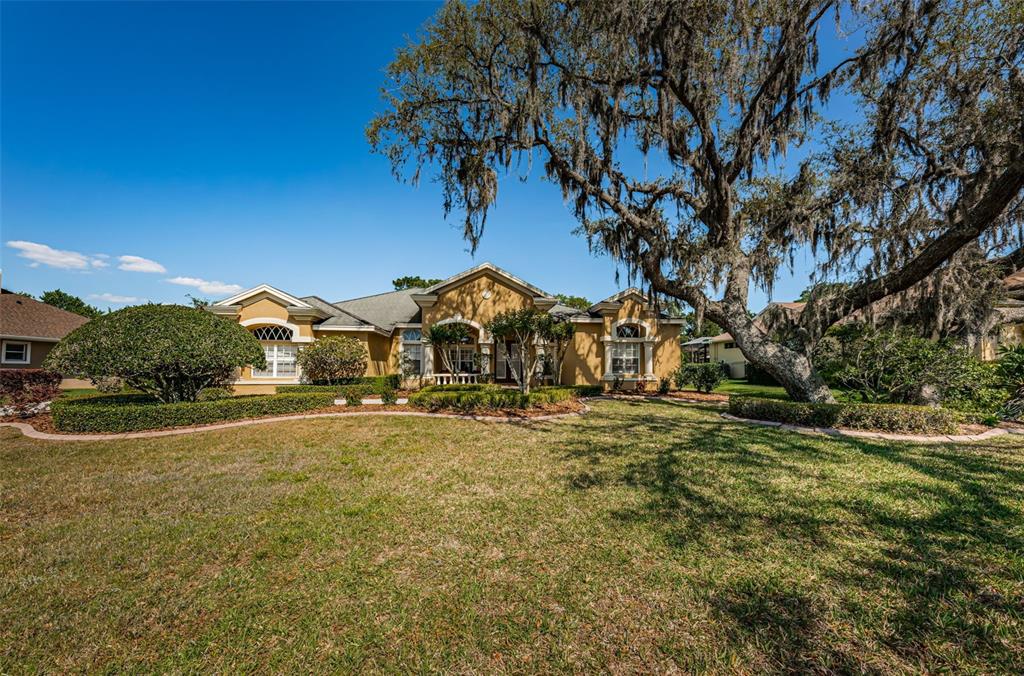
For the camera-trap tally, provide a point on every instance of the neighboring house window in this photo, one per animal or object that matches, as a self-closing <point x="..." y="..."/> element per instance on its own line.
<point x="628" y="331"/>
<point x="412" y="349"/>
<point x="625" y="358"/>
<point x="730" y="346"/>
<point x="16" y="352"/>
<point x="280" y="358"/>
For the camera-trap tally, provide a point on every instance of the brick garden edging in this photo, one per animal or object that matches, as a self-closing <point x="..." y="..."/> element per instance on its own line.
<point x="33" y="433"/>
<point x="864" y="434"/>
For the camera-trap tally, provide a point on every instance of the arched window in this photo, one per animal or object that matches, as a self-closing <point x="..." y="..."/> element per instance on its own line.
<point x="629" y="331"/>
<point x="280" y="358"/>
<point x="272" y="333"/>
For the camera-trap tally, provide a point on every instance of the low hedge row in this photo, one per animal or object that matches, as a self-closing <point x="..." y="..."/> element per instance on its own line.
<point x="374" y="385"/>
<point x="881" y="417"/>
<point x="135" y="412"/>
<point x="469" y="398"/>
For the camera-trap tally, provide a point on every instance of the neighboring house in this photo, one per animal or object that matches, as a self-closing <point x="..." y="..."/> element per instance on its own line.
<point x="1007" y="320"/>
<point x="621" y="337"/>
<point x="722" y="348"/>
<point x="29" y="330"/>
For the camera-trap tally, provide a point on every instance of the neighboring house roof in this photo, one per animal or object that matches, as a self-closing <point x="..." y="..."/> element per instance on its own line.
<point x="385" y="309"/>
<point x="23" y="317"/>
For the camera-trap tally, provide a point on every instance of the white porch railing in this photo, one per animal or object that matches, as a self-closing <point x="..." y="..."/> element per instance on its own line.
<point x="455" y="378"/>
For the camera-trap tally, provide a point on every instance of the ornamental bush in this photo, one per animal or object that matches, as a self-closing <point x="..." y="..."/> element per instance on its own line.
<point x="896" y="366"/>
<point x="137" y="412"/>
<point x="169" y="351"/>
<point x="333" y="360"/>
<point x="703" y="376"/>
<point x="882" y="417"/>
<point x="23" y="390"/>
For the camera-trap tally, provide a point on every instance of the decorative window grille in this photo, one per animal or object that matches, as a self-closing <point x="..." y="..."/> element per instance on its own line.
<point x="273" y="333"/>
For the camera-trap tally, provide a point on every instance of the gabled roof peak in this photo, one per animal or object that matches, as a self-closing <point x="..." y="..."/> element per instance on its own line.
<point x="485" y="267"/>
<point x="264" y="288"/>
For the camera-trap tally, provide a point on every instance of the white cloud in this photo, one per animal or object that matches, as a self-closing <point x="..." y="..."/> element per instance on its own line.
<point x="214" y="288"/>
<point x="115" y="299"/>
<point x="139" y="264"/>
<point x="55" y="258"/>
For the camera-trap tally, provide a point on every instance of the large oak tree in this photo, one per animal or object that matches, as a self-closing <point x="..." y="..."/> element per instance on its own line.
<point x="667" y="127"/>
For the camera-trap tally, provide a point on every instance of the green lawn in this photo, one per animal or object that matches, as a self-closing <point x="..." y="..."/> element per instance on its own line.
<point x="645" y="536"/>
<point x="774" y="391"/>
<point x="745" y="388"/>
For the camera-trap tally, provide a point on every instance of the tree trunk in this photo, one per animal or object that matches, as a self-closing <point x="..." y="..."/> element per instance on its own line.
<point x="792" y="369"/>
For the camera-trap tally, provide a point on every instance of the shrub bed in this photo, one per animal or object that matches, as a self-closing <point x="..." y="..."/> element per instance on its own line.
<point x="881" y="417"/>
<point x="470" y="398"/>
<point x="136" y="412"/>
<point x="23" y="390"/>
<point x="374" y="385"/>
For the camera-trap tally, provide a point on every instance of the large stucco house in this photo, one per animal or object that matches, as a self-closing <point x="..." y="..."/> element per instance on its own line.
<point x="622" y="337"/>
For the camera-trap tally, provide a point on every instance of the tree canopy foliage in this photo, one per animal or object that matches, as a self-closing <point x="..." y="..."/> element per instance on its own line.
<point x="577" y="302"/>
<point x="413" y="282"/>
<point x="169" y="351"/>
<point x="66" y="301"/>
<point x="680" y="134"/>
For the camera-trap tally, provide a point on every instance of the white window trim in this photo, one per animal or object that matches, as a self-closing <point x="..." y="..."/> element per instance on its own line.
<point x="469" y="349"/>
<point x="274" y="376"/>
<point x="639" y="357"/>
<point x="28" y="352"/>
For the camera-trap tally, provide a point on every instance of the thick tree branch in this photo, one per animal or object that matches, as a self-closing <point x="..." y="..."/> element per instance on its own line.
<point x="822" y="313"/>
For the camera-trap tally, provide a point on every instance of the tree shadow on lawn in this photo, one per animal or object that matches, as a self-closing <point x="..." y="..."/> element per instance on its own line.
<point x="915" y="550"/>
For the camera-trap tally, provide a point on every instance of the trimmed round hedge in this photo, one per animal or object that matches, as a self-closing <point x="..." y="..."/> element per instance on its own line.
<point x="172" y="352"/>
<point x="138" y="412"/>
<point x="900" y="418"/>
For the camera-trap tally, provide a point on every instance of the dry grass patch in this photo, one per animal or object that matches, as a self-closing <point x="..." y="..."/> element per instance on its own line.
<point x="645" y="535"/>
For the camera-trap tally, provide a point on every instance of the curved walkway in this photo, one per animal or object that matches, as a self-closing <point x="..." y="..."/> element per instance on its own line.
<point x="864" y="434"/>
<point x="33" y="433"/>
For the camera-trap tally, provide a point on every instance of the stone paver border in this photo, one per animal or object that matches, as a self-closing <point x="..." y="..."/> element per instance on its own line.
<point x="864" y="434"/>
<point x="33" y="433"/>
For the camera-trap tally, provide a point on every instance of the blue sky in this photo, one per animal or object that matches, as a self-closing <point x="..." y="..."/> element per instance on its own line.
<point x="154" y="150"/>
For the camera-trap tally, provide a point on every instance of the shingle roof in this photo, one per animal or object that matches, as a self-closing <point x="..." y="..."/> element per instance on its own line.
<point x="337" y="316"/>
<point x="384" y="309"/>
<point x="22" y="316"/>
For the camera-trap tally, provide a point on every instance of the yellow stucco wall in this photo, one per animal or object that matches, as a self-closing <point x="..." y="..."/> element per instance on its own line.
<point x="467" y="299"/>
<point x="584" y="359"/>
<point x="667" y="352"/>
